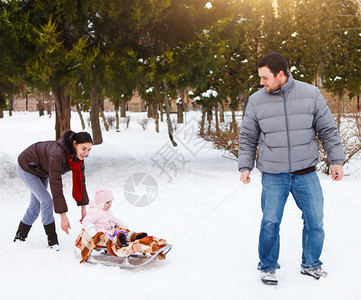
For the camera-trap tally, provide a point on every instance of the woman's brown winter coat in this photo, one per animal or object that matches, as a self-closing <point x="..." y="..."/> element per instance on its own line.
<point x="48" y="159"/>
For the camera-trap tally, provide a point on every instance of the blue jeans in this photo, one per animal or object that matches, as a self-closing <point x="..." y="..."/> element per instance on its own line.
<point x="40" y="199"/>
<point x="307" y="192"/>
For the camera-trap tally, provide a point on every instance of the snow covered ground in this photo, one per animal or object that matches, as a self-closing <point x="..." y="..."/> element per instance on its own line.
<point x="201" y="207"/>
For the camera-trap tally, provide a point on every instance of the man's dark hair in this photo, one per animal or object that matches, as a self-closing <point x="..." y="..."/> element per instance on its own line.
<point x="275" y="62"/>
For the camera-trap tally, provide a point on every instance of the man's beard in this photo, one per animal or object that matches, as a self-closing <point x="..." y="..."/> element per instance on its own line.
<point x="273" y="89"/>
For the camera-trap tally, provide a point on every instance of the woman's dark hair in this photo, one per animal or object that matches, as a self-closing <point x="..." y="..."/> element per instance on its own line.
<point x="275" y="62"/>
<point x="80" y="138"/>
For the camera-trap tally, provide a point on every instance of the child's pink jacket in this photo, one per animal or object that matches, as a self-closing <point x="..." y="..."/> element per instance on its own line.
<point x="100" y="220"/>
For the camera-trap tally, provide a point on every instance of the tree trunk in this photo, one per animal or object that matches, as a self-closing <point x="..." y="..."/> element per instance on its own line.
<point x="233" y="116"/>
<point x="339" y="111"/>
<point x="116" y="108"/>
<point x="186" y="107"/>
<point x="209" y="118"/>
<point x="216" y="117"/>
<point x="358" y="102"/>
<point x="234" y="122"/>
<point x="11" y="106"/>
<point x="80" y="116"/>
<point x="41" y="108"/>
<point x="104" y="119"/>
<point x="203" y="121"/>
<point x="244" y="101"/>
<point x="156" y="116"/>
<point x="57" y="125"/>
<point x="49" y="107"/>
<point x="62" y="107"/>
<point x="180" y="109"/>
<point x="149" y="110"/>
<point x="2" y="104"/>
<point x="41" y="105"/>
<point x="221" y="112"/>
<point x="167" y="111"/>
<point x="94" y="117"/>
<point x="123" y="109"/>
<point x="161" y="112"/>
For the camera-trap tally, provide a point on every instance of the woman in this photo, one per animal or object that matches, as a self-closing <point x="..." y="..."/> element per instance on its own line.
<point x="45" y="162"/>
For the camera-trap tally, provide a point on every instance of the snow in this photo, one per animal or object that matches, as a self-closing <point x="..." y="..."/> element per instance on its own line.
<point x="208" y="5"/>
<point x="240" y="20"/>
<point x="201" y="207"/>
<point x="209" y="93"/>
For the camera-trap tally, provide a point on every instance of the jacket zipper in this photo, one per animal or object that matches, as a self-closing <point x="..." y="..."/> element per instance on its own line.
<point x="287" y="132"/>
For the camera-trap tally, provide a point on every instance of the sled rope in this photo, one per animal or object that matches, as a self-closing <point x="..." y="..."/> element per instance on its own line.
<point x="195" y="223"/>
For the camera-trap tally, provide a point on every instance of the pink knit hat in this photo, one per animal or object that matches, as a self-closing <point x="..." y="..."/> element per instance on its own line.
<point x="102" y="195"/>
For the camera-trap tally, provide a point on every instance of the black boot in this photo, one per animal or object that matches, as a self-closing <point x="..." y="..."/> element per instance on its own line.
<point x="51" y="233"/>
<point x="22" y="232"/>
<point x="141" y="235"/>
<point x="121" y="240"/>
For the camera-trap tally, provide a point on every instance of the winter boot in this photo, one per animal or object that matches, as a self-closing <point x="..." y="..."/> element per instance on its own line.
<point x="138" y="236"/>
<point x="52" y="236"/>
<point x="315" y="273"/>
<point x="269" y="277"/>
<point x="22" y="232"/>
<point x="132" y="236"/>
<point x="121" y="240"/>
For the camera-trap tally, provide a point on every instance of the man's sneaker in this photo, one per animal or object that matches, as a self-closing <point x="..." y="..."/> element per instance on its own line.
<point x="315" y="273"/>
<point x="269" y="277"/>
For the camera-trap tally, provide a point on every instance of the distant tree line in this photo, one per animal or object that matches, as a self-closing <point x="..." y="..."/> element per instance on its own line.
<point x="85" y="51"/>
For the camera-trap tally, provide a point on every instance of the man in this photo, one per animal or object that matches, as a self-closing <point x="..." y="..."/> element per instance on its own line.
<point x="283" y="120"/>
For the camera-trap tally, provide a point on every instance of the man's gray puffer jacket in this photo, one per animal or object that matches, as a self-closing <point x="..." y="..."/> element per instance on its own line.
<point x="284" y="125"/>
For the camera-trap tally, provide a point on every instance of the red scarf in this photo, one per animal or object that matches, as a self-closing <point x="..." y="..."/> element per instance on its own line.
<point x="77" y="178"/>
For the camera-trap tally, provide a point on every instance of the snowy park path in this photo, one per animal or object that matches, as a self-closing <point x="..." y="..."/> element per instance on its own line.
<point x="200" y="206"/>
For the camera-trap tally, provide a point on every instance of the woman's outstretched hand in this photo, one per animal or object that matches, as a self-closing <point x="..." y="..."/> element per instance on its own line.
<point x="65" y="225"/>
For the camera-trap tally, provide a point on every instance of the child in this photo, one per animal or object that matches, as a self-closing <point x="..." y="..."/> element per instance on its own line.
<point x="100" y="218"/>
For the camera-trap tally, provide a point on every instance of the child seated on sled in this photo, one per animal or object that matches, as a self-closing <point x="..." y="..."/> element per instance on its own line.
<point x="100" y="218"/>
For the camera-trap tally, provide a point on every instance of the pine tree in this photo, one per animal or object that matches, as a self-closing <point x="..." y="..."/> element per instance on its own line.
<point x="341" y="68"/>
<point x="14" y="32"/>
<point x="54" y="49"/>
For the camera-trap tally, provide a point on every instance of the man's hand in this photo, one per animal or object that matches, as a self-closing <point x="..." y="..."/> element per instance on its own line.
<point x="337" y="172"/>
<point x="245" y="177"/>
<point x="65" y="225"/>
